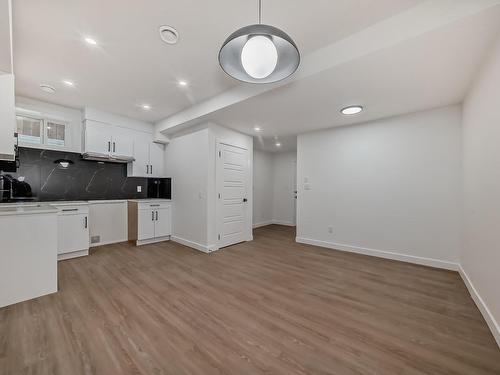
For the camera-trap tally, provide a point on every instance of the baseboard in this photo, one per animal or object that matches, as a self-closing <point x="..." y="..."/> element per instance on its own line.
<point x="287" y="223"/>
<point x="74" y="254"/>
<point x="481" y="305"/>
<point x="436" y="263"/>
<point x="151" y="240"/>
<point x="192" y="244"/>
<point x="270" y="222"/>
<point x="262" y="224"/>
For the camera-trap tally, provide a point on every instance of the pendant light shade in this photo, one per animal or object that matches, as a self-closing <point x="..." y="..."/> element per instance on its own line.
<point x="259" y="54"/>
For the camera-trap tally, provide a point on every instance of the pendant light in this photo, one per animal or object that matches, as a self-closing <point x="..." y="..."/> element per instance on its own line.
<point x="259" y="54"/>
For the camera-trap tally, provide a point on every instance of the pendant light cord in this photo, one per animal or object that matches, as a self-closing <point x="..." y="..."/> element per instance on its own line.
<point x="260" y="12"/>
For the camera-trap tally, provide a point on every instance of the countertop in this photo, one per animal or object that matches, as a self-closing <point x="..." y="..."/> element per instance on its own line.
<point x="27" y="210"/>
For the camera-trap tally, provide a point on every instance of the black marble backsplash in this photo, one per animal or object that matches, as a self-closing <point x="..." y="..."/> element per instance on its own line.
<point x="40" y="177"/>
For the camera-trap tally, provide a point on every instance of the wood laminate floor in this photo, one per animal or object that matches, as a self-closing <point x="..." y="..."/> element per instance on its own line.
<point x="270" y="306"/>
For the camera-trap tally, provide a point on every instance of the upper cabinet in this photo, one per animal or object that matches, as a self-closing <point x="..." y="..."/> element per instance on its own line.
<point x="101" y="138"/>
<point x="149" y="158"/>
<point x="7" y="117"/>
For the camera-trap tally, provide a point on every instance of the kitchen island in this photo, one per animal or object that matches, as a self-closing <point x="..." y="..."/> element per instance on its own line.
<point x="28" y="252"/>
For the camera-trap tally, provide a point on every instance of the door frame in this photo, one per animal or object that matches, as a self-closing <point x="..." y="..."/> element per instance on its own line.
<point x="218" y="188"/>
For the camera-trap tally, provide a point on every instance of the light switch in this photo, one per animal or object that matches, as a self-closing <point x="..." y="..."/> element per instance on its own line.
<point x="139" y="188"/>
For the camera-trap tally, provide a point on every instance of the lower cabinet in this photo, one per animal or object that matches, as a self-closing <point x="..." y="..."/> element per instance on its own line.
<point x="149" y="221"/>
<point x="72" y="231"/>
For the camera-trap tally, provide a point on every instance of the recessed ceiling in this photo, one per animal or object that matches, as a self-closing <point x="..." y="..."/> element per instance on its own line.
<point x="435" y="69"/>
<point x="131" y="65"/>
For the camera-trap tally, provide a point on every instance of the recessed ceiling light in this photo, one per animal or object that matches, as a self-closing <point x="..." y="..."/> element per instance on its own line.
<point x="47" y="88"/>
<point x="257" y="128"/>
<point x="146" y="107"/>
<point x="351" y="110"/>
<point x="168" y="34"/>
<point x="91" y="41"/>
<point x="182" y="83"/>
<point x="68" y="83"/>
<point x="278" y="144"/>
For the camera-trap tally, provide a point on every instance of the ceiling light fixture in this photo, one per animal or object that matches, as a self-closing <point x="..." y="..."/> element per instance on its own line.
<point x="91" y="41"/>
<point x="168" y="34"/>
<point x="68" y="83"/>
<point x="257" y="128"/>
<point x="47" y="88"/>
<point x="146" y="107"/>
<point x="182" y="83"/>
<point x="278" y="144"/>
<point x="351" y="110"/>
<point x="259" y="54"/>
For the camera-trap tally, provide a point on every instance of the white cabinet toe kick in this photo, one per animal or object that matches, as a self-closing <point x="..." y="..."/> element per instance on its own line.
<point x="149" y="221"/>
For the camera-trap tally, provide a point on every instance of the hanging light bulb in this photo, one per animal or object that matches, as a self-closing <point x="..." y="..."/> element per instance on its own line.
<point x="259" y="54"/>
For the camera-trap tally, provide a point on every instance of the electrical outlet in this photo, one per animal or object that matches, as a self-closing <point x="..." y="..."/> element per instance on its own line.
<point x="330" y="229"/>
<point x="139" y="188"/>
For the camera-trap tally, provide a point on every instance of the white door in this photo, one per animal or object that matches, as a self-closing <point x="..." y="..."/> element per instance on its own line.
<point x="294" y="190"/>
<point x="123" y="141"/>
<point x="98" y="137"/>
<point x="232" y="202"/>
<point x="156" y="159"/>
<point x="163" y="224"/>
<point x="73" y="233"/>
<point x="146" y="224"/>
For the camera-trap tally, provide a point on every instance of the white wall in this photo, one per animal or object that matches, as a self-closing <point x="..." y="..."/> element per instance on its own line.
<point x="191" y="163"/>
<point x="480" y="258"/>
<point x="285" y="170"/>
<point x="389" y="188"/>
<point x="186" y="162"/>
<point x="263" y="171"/>
<point x="219" y="133"/>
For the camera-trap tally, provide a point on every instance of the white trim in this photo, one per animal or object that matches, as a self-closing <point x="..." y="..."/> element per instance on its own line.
<point x="152" y="240"/>
<point x="262" y="224"/>
<point x="73" y="254"/>
<point x="287" y="223"/>
<point x="271" y="222"/>
<point x="481" y="305"/>
<point x="382" y="254"/>
<point x="97" y="244"/>
<point x="193" y="245"/>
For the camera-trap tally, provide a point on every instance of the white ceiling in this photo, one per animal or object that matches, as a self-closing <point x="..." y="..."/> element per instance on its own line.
<point x="132" y="66"/>
<point x="429" y="67"/>
<point x="432" y="70"/>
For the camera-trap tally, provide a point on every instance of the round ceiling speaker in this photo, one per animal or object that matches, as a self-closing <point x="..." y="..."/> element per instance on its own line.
<point x="47" y="88"/>
<point x="168" y="34"/>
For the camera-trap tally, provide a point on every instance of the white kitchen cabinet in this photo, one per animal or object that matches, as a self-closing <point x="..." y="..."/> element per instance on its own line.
<point x="149" y="221"/>
<point x="7" y="117"/>
<point x="106" y="139"/>
<point x="149" y="158"/>
<point x="97" y="137"/>
<point x="72" y="231"/>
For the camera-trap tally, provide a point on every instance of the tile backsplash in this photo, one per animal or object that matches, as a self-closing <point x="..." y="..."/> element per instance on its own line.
<point x="40" y="177"/>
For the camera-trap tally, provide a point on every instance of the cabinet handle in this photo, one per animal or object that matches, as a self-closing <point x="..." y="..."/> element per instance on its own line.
<point x="151" y="168"/>
<point x="152" y="216"/>
<point x="86" y="222"/>
<point x="156" y="215"/>
<point x="114" y="147"/>
<point x="147" y="168"/>
<point x="109" y="146"/>
<point x="69" y="209"/>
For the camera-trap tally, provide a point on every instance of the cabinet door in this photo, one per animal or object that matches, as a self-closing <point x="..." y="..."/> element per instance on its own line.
<point x="97" y="137"/>
<point x="146" y="224"/>
<point x="123" y="141"/>
<point x="163" y="223"/>
<point x="73" y="233"/>
<point x="140" y="167"/>
<point x="157" y="159"/>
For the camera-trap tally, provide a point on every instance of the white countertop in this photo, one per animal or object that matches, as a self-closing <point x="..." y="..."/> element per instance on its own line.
<point x="152" y="200"/>
<point x="28" y="210"/>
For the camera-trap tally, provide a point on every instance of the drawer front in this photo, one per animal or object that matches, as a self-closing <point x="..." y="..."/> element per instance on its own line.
<point x="153" y="205"/>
